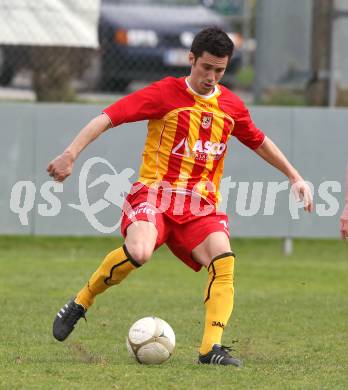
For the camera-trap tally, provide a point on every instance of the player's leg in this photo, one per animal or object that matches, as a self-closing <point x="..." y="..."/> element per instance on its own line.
<point x="137" y="249"/>
<point x="205" y="241"/>
<point x="215" y="244"/>
<point x="139" y="245"/>
<point x="215" y="253"/>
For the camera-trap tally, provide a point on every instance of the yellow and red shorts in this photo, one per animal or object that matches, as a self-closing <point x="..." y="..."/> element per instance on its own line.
<point x="177" y="225"/>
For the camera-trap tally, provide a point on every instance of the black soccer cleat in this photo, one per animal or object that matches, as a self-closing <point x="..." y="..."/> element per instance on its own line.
<point x="219" y="355"/>
<point x="66" y="319"/>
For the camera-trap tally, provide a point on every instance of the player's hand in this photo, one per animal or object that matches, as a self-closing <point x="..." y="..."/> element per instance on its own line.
<point x="302" y="192"/>
<point x="61" y="167"/>
<point x="344" y="227"/>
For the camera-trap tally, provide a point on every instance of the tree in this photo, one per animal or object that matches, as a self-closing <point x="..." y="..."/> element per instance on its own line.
<point x="54" y="69"/>
<point x="318" y="86"/>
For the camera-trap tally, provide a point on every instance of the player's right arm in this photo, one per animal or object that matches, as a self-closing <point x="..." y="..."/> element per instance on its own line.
<point x="146" y="103"/>
<point x="61" y="167"/>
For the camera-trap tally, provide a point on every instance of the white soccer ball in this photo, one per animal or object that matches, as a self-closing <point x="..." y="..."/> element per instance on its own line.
<point x="151" y="340"/>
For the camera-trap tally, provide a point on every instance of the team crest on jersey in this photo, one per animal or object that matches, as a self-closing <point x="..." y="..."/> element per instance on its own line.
<point x="206" y="121"/>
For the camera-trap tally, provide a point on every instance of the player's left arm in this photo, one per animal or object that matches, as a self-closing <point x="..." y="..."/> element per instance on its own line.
<point x="344" y="216"/>
<point x="270" y="152"/>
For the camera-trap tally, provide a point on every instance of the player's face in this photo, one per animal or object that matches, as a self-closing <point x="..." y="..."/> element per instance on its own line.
<point x="206" y="71"/>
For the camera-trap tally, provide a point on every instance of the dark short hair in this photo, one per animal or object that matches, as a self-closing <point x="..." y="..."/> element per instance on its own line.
<point x="213" y="40"/>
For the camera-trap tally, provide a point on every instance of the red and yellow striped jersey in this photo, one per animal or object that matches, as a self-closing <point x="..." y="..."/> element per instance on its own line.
<point x="187" y="134"/>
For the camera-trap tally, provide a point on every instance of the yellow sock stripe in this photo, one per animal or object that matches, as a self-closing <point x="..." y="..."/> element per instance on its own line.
<point x="211" y="282"/>
<point x="129" y="258"/>
<point x="106" y="280"/>
<point x="227" y="254"/>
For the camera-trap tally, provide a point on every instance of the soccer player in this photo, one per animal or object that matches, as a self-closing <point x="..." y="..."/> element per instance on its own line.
<point x="344" y="216"/>
<point x="174" y="201"/>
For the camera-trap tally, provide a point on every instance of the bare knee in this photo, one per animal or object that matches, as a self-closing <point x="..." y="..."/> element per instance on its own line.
<point x="140" y="240"/>
<point x="216" y="244"/>
<point x="140" y="251"/>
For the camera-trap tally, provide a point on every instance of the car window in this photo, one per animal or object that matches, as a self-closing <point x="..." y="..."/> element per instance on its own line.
<point x="225" y="7"/>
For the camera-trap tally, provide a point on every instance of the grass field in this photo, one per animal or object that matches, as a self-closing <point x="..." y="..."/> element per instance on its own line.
<point x="290" y="318"/>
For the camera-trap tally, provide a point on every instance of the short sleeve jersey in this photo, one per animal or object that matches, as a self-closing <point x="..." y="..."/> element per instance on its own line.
<point x="187" y="133"/>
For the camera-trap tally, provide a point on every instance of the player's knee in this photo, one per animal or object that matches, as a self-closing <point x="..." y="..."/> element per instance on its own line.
<point x="140" y="251"/>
